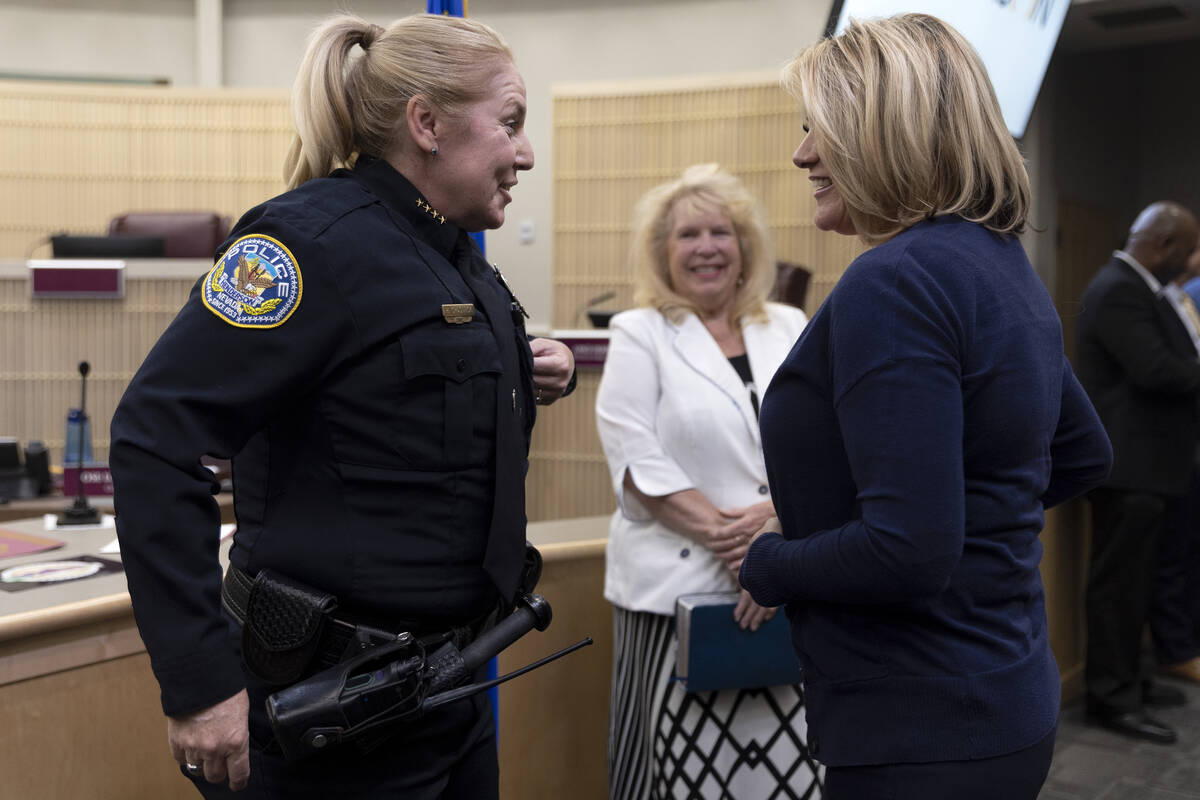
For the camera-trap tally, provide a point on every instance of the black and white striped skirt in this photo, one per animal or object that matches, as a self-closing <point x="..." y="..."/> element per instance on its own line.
<point x="666" y="743"/>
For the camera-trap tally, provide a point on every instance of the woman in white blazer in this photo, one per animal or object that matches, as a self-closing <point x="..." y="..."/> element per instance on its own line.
<point x="677" y="412"/>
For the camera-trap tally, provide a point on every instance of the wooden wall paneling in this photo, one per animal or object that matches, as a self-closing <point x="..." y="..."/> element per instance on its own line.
<point x="609" y="149"/>
<point x="554" y="721"/>
<point x="568" y="476"/>
<point x="84" y="732"/>
<point x="1065" y="547"/>
<point x="71" y="159"/>
<point x="46" y="339"/>
<point x="1086" y="239"/>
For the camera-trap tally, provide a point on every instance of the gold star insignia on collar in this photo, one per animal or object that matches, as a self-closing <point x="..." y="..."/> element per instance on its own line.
<point x="433" y="212"/>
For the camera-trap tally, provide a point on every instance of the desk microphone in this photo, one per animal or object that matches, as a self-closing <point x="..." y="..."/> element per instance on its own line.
<point x="80" y="512"/>
<point x="600" y="298"/>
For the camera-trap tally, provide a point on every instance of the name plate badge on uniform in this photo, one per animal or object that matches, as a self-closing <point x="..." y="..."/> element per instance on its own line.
<point x="458" y="313"/>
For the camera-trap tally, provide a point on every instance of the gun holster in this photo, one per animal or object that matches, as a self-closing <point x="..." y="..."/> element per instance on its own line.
<point x="283" y="626"/>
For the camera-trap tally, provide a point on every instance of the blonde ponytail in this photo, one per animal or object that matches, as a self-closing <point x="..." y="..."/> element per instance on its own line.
<point x="347" y="102"/>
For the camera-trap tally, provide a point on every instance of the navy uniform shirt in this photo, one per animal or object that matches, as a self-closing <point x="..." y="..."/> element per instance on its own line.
<point x="379" y="450"/>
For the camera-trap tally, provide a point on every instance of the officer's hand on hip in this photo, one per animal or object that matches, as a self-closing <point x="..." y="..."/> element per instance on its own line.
<point x="214" y="743"/>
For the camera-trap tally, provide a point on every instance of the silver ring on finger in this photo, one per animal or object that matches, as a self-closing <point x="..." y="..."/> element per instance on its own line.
<point x="193" y="769"/>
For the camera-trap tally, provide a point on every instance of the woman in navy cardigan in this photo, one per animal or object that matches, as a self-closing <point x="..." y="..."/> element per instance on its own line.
<point x="918" y="430"/>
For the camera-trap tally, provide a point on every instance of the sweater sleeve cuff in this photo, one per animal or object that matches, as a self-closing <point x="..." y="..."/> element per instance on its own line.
<point x="756" y="576"/>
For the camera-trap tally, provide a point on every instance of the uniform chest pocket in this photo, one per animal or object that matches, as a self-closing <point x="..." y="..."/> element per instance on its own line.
<point x="448" y="385"/>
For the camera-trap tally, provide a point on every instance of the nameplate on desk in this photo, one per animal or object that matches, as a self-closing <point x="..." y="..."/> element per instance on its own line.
<point x="97" y="480"/>
<point x="73" y="279"/>
<point x="590" y="350"/>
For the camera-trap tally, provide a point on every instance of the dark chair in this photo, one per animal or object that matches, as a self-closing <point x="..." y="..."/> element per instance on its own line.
<point x="791" y="284"/>
<point x="186" y="234"/>
<point x="65" y="245"/>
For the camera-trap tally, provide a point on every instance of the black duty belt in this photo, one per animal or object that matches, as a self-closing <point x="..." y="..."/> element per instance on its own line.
<point x="290" y="630"/>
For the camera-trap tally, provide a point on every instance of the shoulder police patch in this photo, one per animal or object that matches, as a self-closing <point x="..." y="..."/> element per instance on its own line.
<point x="256" y="284"/>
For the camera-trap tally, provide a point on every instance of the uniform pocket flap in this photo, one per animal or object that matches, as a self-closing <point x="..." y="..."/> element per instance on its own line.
<point x="453" y="353"/>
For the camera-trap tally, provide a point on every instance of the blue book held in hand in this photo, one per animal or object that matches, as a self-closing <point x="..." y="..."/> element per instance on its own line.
<point x="714" y="653"/>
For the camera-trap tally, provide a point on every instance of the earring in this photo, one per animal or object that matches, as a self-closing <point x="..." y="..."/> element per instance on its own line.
<point x="433" y="151"/>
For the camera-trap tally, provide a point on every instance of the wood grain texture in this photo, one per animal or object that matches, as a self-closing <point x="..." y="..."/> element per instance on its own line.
<point x="95" y="731"/>
<point x="554" y="721"/>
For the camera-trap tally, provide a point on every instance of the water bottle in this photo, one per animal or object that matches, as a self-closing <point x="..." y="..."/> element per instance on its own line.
<point x="79" y="439"/>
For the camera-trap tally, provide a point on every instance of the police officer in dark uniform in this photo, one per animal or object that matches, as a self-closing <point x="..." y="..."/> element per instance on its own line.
<point x="369" y="374"/>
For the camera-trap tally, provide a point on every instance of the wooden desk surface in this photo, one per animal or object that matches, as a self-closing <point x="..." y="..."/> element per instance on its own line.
<point x="56" y="607"/>
<point x="44" y="608"/>
<point x="73" y="603"/>
<point x="52" y="504"/>
<point x="562" y="539"/>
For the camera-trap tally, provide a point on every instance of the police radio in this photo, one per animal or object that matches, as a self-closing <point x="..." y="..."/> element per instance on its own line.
<point x="396" y="683"/>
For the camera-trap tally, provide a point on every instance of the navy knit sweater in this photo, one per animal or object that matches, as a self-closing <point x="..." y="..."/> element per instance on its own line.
<point x="913" y="437"/>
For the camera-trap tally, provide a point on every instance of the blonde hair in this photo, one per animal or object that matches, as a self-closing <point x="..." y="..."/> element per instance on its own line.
<point x="908" y="125"/>
<point x="702" y="186"/>
<point x="346" y="103"/>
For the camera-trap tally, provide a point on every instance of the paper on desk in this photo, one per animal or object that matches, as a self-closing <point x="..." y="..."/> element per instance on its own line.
<point x="115" y="546"/>
<point x="51" y="523"/>
<point x="14" y="543"/>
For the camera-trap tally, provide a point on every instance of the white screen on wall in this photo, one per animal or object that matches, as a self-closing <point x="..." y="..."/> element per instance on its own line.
<point x="1015" y="39"/>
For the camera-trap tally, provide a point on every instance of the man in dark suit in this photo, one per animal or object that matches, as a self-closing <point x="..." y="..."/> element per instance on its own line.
<point x="1175" y="606"/>
<point x="1141" y="370"/>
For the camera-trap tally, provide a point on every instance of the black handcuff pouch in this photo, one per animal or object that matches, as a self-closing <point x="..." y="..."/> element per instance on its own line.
<point x="283" y="626"/>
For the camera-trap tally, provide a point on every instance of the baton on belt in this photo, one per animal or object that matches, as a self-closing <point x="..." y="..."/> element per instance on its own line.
<point x="396" y="682"/>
